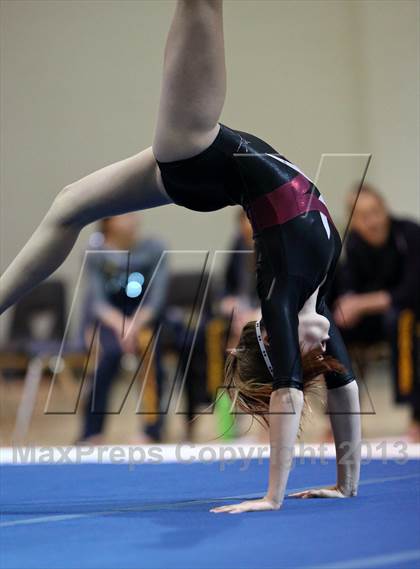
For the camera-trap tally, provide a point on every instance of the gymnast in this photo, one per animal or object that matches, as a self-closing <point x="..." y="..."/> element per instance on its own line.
<point x="203" y="165"/>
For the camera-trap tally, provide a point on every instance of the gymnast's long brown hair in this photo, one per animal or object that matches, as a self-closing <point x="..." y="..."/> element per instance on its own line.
<point x="249" y="382"/>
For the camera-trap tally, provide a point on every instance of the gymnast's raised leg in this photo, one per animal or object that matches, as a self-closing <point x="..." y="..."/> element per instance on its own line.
<point x="192" y="97"/>
<point x="129" y="185"/>
<point x="194" y="81"/>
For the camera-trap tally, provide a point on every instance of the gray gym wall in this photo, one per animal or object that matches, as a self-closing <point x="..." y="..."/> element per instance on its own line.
<point x="80" y="83"/>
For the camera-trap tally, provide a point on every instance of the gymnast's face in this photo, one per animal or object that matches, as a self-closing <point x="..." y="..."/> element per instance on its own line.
<point x="313" y="332"/>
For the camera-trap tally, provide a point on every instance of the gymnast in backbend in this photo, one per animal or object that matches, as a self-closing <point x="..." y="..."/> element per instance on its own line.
<point x="200" y="164"/>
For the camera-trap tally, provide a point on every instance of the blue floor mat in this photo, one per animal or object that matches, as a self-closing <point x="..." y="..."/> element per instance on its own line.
<point x="157" y="516"/>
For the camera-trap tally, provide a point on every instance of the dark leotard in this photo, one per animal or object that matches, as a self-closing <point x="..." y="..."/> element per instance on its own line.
<point x="296" y="243"/>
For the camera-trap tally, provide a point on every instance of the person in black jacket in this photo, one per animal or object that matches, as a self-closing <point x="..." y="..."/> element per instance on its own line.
<point x="379" y="289"/>
<point x="239" y="295"/>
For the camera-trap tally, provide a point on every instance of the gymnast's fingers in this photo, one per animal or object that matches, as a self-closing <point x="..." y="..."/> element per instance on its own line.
<point x="223" y="509"/>
<point x="299" y="494"/>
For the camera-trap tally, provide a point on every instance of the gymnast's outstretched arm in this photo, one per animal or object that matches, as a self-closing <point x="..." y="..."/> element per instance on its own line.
<point x="129" y="185"/>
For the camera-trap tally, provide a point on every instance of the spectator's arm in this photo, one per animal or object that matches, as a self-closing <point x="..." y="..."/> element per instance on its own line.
<point x="350" y="308"/>
<point x="101" y="308"/>
<point x="158" y="287"/>
<point x="373" y="302"/>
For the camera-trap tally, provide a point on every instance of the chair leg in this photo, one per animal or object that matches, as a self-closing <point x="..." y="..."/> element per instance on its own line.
<point x="28" y="400"/>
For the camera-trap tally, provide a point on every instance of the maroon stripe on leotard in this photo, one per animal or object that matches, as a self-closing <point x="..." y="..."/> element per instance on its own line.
<point x="285" y="203"/>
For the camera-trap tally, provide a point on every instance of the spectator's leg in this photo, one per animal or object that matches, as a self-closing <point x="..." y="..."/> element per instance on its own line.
<point x="195" y="383"/>
<point x="402" y="334"/>
<point x="96" y="405"/>
<point x="414" y="431"/>
<point x="150" y="390"/>
<point x="400" y="331"/>
<point x="367" y="332"/>
<point x="154" y="430"/>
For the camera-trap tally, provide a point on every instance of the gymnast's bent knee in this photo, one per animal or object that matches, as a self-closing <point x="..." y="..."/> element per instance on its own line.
<point x="66" y="209"/>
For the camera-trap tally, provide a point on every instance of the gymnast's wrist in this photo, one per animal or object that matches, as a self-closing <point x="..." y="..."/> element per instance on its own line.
<point x="347" y="488"/>
<point x="273" y="499"/>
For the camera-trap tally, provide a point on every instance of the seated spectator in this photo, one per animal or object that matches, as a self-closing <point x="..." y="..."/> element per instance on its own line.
<point x="378" y="289"/>
<point x="238" y="305"/>
<point x="237" y="294"/>
<point x="239" y="287"/>
<point x="108" y="305"/>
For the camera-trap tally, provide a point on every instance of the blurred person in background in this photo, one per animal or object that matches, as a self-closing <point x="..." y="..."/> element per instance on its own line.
<point x="239" y="303"/>
<point x="239" y="295"/>
<point x="108" y="305"/>
<point x="378" y="289"/>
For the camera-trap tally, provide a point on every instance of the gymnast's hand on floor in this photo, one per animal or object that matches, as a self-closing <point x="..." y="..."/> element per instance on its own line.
<point x="261" y="505"/>
<point x="329" y="492"/>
